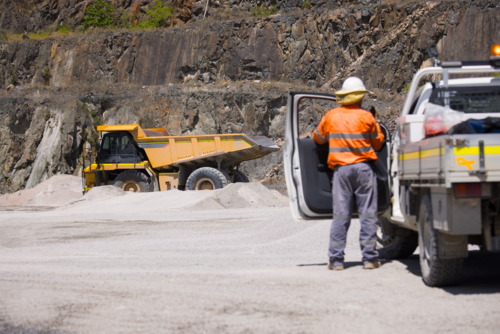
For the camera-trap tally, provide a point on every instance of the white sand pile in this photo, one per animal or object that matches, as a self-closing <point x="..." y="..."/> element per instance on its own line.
<point x="103" y="192"/>
<point x="57" y="191"/>
<point x="247" y="195"/>
<point x="62" y="190"/>
<point x="106" y="198"/>
<point x="233" y="196"/>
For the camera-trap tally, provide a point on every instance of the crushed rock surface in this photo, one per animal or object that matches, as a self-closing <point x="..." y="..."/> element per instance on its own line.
<point x="114" y="262"/>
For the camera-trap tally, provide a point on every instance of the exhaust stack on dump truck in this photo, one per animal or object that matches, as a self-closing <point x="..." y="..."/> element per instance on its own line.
<point x="143" y="160"/>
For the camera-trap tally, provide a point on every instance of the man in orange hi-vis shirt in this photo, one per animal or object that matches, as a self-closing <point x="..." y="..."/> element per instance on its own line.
<point x="353" y="136"/>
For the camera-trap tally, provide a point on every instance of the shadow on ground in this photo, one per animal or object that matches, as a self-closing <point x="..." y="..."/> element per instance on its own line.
<point x="6" y="328"/>
<point x="481" y="273"/>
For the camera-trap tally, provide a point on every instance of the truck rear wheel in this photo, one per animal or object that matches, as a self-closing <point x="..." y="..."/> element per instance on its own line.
<point x="435" y="271"/>
<point x="206" y="178"/>
<point x="132" y="180"/>
<point x="396" y="247"/>
<point x="240" y="177"/>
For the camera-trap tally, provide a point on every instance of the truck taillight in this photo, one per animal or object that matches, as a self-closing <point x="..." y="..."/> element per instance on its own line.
<point x="477" y="189"/>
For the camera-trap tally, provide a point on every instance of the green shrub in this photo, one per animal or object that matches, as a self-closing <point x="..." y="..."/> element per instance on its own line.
<point x="306" y="5"/>
<point x="13" y="78"/>
<point x="496" y="75"/>
<point x="47" y="116"/>
<point x="100" y="14"/>
<point x="124" y="19"/>
<point x="263" y="11"/>
<point x="3" y="36"/>
<point x="46" y="75"/>
<point x="63" y="29"/>
<point x="96" y="121"/>
<point x="158" y="14"/>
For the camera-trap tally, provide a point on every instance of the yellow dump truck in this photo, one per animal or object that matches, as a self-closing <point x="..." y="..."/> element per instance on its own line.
<point x="144" y="160"/>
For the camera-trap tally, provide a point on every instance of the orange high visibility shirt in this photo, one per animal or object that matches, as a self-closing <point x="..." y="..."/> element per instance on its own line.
<point x="352" y="134"/>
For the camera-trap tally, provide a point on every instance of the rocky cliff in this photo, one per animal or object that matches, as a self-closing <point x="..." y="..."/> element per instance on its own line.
<point x="242" y="68"/>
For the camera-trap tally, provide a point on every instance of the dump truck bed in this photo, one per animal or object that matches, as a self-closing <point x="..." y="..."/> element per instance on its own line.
<point x="452" y="158"/>
<point x="166" y="151"/>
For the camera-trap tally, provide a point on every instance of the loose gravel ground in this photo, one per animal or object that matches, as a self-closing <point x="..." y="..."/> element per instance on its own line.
<point x="246" y="270"/>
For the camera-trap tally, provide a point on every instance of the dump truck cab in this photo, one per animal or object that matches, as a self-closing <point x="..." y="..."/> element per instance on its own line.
<point x="119" y="147"/>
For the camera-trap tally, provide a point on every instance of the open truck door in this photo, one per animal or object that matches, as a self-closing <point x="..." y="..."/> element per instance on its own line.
<point x="308" y="178"/>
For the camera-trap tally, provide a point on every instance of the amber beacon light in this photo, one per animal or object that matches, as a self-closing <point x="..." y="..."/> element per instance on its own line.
<point x="495" y="50"/>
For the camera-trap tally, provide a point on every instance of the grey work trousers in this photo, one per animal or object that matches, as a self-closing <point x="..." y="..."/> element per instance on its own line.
<point x="349" y="182"/>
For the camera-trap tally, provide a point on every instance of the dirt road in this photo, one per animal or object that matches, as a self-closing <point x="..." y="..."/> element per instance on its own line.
<point x="250" y="270"/>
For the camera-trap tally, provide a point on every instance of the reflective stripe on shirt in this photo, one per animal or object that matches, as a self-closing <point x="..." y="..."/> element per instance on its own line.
<point x="353" y="135"/>
<point x="318" y="133"/>
<point x="350" y="149"/>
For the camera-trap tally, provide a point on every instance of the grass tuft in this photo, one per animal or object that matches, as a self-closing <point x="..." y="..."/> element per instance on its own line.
<point x="263" y="11"/>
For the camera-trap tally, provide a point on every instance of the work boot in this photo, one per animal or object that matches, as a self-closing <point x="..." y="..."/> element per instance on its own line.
<point x="331" y="266"/>
<point x="372" y="265"/>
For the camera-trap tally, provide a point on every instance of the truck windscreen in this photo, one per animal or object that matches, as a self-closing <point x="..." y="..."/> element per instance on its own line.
<point x="482" y="99"/>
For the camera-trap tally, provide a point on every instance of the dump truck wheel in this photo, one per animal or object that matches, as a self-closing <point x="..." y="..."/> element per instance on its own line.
<point x="395" y="247"/>
<point x="226" y="174"/>
<point x="240" y="177"/>
<point x="435" y="271"/>
<point x="133" y="181"/>
<point x="206" y="178"/>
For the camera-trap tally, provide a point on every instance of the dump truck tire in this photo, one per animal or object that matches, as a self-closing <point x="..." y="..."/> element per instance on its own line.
<point x="435" y="271"/>
<point x="206" y="178"/>
<point x="396" y="247"/>
<point x="226" y="174"/>
<point x="240" y="177"/>
<point x="132" y="180"/>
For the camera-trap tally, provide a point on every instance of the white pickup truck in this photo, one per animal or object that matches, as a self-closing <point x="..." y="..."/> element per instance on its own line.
<point x="439" y="193"/>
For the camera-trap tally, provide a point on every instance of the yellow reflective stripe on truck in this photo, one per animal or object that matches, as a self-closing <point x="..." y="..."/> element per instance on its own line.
<point x="475" y="150"/>
<point x="432" y="152"/>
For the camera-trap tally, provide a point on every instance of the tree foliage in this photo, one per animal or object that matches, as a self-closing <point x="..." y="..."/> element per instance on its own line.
<point x="99" y="14"/>
<point x="158" y="14"/>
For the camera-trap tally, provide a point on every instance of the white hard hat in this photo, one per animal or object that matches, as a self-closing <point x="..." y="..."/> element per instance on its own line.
<point x="352" y="85"/>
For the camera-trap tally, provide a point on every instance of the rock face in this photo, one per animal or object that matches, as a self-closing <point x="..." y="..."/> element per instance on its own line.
<point x="317" y="48"/>
<point x="237" y="71"/>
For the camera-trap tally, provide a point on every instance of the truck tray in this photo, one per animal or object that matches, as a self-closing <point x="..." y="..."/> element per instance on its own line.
<point x="452" y="158"/>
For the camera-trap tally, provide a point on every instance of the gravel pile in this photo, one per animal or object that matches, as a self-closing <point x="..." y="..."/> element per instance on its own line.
<point x="248" y="195"/>
<point x="59" y="190"/>
<point x="65" y="190"/>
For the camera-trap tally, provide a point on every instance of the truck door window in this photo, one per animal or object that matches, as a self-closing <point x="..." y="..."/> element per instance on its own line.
<point x="127" y="147"/>
<point x="469" y="99"/>
<point x="105" y="143"/>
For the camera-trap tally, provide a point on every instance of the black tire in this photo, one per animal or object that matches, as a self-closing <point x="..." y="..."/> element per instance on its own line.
<point x="435" y="271"/>
<point x="396" y="247"/>
<point x="226" y="175"/>
<point x="206" y="178"/>
<point x="132" y="180"/>
<point x="240" y="177"/>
